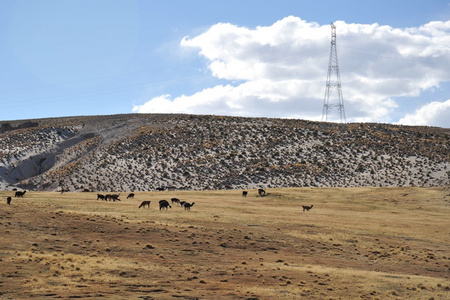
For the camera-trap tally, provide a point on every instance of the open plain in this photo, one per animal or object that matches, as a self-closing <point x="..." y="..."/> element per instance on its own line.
<point x="364" y="243"/>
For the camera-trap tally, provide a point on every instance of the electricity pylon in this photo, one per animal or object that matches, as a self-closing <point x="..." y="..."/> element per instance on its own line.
<point x="333" y="82"/>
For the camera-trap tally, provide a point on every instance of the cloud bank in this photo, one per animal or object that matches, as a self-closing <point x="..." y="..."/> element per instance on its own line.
<point x="280" y="71"/>
<point x="434" y="113"/>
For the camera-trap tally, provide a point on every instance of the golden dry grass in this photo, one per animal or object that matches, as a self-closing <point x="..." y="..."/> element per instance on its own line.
<point x="374" y="243"/>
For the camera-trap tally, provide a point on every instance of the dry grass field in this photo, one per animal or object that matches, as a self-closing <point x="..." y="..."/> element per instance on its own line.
<point x="370" y="243"/>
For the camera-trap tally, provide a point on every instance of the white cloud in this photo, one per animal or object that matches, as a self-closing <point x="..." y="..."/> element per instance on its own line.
<point x="432" y="114"/>
<point x="281" y="69"/>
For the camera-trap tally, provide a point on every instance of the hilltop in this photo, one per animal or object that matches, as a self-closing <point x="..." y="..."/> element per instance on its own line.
<point x="144" y="152"/>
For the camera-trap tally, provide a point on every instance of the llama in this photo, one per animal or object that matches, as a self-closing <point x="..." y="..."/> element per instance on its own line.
<point x="100" y="196"/>
<point x="182" y="203"/>
<point x="307" y="208"/>
<point x="115" y="197"/>
<point x="175" y="200"/>
<point x="244" y="193"/>
<point x="261" y="192"/>
<point x="164" y="204"/>
<point x="112" y="197"/>
<point x="8" y="200"/>
<point x="187" y="206"/>
<point x="19" y="194"/>
<point x="144" y="203"/>
<point x="130" y="195"/>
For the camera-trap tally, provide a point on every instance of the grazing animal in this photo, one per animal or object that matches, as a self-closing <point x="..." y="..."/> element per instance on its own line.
<point x="130" y="195"/>
<point x="144" y="203"/>
<point x="8" y="200"/>
<point x="160" y="189"/>
<point x="112" y="197"/>
<point x="261" y="192"/>
<point x="164" y="204"/>
<point x="307" y="208"/>
<point x="187" y="206"/>
<point x="244" y="193"/>
<point x="100" y="196"/>
<point x="175" y="200"/>
<point x="182" y="203"/>
<point x="19" y="194"/>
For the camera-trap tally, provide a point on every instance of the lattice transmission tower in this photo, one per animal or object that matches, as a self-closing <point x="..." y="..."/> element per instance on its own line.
<point x="333" y="83"/>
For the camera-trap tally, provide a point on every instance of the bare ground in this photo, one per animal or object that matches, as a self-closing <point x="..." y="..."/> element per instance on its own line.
<point x="370" y="243"/>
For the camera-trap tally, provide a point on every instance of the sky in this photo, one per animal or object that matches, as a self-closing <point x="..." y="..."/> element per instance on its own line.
<point x="225" y="57"/>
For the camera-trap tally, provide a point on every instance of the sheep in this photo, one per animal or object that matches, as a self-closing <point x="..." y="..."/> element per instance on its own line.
<point x="164" y="204"/>
<point x="187" y="206"/>
<point x="130" y="195"/>
<point x="307" y="208"/>
<point x="144" y="203"/>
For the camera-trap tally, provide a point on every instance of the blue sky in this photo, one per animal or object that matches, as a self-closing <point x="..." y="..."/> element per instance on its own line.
<point x="244" y="58"/>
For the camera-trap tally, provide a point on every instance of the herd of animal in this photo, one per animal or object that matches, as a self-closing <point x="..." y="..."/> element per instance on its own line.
<point x="163" y="204"/>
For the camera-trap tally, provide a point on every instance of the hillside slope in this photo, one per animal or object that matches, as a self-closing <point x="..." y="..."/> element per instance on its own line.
<point x="137" y="152"/>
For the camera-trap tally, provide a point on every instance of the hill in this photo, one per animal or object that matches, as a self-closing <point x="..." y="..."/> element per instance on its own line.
<point x="138" y="152"/>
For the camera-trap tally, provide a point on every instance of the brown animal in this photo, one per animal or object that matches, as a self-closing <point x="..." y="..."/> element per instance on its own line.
<point x="307" y="208"/>
<point x="164" y="204"/>
<point x="187" y="206"/>
<point x="261" y="192"/>
<point x="19" y="194"/>
<point x="144" y="203"/>
<point x="112" y="197"/>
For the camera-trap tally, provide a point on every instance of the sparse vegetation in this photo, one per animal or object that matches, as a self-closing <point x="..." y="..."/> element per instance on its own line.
<point x="143" y="152"/>
<point x="355" y="243"/>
